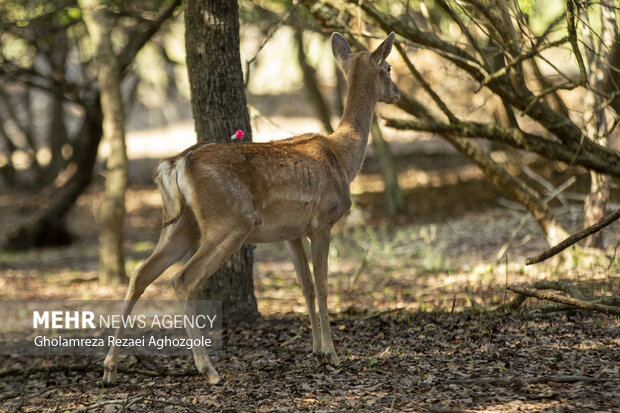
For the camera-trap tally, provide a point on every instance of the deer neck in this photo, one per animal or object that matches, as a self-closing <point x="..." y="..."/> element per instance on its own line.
<point x="351" y="137"/>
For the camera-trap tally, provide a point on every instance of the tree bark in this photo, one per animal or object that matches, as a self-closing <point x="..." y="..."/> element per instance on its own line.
<point x="112" y="214"/>
<point x="219" y="108"/>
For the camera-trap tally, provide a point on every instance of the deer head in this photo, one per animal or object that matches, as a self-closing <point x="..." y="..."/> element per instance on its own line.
<point x="370" y="66"/>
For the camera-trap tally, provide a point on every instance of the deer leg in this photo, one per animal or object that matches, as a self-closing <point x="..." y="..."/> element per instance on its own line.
<point x="300" y="261"/>
<point x="174" y="242"/>
<point x="213" y="252"/>
<point x="320" y="248"/>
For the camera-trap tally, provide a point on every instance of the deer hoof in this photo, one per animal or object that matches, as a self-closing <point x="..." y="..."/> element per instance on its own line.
<point x="212" y="376"/>
<point x="324" y="358"/>
<point x="109" y="374"/>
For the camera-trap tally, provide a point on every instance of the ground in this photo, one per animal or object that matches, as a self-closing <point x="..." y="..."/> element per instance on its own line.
<point x="411" y="307"/>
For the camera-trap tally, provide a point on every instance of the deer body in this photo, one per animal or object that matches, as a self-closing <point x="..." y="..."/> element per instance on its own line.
<point x="282" y="189"/>
<point x="222" y="195"/>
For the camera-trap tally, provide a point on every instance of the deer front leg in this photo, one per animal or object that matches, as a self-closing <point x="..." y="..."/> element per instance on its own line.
<point x="300" y="261"/>
<point x="320" y="248"/>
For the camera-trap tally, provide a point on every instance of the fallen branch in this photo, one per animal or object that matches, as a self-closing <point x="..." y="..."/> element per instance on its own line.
<point x="533" y="380"/>
<point x="560" y="285"/>
<point x="546" y="295"/>
<point x="609" y="219"/>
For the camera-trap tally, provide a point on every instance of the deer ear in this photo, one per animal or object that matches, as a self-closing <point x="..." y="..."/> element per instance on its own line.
<point x="340" y="48"/>
<point x="383" y="51"/>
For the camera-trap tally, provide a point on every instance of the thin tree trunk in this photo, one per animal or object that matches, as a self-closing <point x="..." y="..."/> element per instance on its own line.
<point x="58" y="136"/>
<point x="311" y="84"/>
<point x="112" y="214"/>
<point x="7" y="172"/>
<point x="219" y="108"/>
<point x="594" y="113"/>
<point x="392" y="195"/>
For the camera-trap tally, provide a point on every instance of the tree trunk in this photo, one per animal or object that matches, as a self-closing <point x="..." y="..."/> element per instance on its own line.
<point x="311" y="84"/>
<point x="391" y="193"/>
<point x="57" y="133"/>
<point x="112" y="215"/>
<point x="47" y="227"/>
<point x="219" y="108"/>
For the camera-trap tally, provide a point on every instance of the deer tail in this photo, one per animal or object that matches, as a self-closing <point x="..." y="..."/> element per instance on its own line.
<point x="167" y="176"/>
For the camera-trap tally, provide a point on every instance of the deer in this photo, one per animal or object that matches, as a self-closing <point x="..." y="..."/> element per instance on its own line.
<point x="219" y="196"/>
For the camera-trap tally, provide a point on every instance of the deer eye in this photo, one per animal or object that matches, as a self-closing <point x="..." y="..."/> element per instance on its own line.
<point x="389" y="68"/>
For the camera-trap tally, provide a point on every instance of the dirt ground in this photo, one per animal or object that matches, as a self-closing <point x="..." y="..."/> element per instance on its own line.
<point x="410" y="306"/>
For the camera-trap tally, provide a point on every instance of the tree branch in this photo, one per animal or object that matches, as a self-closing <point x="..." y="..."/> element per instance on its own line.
<point x="571" y="18"/>
<point x="608" y="220"/>
<point x="591" y="159"/>
<point x="139" y="39"/>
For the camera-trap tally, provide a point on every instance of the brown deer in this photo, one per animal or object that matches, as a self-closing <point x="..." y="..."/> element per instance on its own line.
<point x="222" y="195"/>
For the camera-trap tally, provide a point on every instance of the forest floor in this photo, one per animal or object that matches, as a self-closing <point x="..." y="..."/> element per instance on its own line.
<point x="411" y="308"/>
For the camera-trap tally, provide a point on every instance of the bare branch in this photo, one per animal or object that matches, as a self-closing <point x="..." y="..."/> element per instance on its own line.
<point x="608" y="220"/>
<point x="472" y="41"/>
<point x="529" y="55"/>
<point x="571" y="18"/>
<point x="425" y="84"/>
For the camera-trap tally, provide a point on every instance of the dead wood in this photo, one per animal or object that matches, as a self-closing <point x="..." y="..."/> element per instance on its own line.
<point x="560" y="285"/>
<point x="609" y="219"/>
<point x="546" y="295"/>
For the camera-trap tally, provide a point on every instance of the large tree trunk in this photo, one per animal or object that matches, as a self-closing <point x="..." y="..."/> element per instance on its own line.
<point x="112" y="215"/>
<point x="219" y="108"/>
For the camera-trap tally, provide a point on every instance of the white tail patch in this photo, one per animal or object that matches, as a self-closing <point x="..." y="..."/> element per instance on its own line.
<point x="167" y="176"/>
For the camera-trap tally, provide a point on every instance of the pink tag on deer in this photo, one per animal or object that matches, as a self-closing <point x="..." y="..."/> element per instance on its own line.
<point x="237" y="135"/>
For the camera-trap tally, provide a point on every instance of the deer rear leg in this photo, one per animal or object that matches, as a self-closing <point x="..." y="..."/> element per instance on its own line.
<point x="174" y="242"/>
<point x="213" y="252"/>
<point x="300" y="261"/>
<point x="320" y="248"/>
